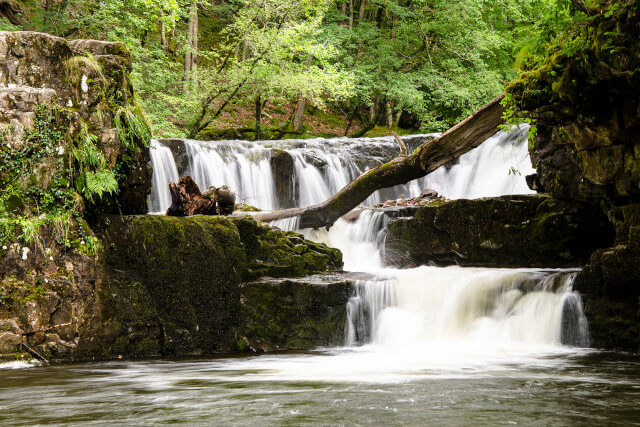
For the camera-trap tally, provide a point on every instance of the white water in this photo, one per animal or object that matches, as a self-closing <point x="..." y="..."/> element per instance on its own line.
<point x="421" y="318"/>
<point x="164" y="172"/>
<point x="495" y="168"/>
<point x="324" y="166"/>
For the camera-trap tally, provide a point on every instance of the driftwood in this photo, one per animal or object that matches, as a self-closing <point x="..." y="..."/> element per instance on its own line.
<point x="429" y="156"/>
<point x="187" y="200"/>
<point x="33" y="352"/>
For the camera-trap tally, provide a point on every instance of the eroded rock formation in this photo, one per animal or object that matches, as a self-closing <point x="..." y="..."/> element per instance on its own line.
<point x="508" y="231"/>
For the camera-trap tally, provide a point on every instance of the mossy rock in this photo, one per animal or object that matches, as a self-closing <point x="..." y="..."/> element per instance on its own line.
<point x="518" y="231"/>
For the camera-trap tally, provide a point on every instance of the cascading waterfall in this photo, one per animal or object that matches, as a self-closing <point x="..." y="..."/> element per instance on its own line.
<point x="164" y="172"/>
<point x="425" y="306"/>
<point x="488" y="307"/>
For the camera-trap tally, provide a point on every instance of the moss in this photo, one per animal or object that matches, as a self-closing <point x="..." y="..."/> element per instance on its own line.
<point x="291" y="315"/>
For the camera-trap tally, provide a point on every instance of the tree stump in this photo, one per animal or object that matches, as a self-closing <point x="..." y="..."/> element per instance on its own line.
<point x="186" y="199"/>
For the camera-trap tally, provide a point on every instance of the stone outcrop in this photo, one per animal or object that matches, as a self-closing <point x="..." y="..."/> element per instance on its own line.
<point x="289" y="314"/>
<point x="286" y="184"/>
<point x="171" y="286"/>
<point x="586" y="106"/>
<point x="89" y="81"/>
<point x="610" y="285"/>
<point x="517" y="231"/>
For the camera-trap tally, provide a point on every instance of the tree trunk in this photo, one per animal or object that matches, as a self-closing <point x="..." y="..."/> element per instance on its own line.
<point x="350" y="14"/>
<point x="258" y="117"/>
<point x="432" y="154"/>
<point x="389" y="115"/>
<point x="297" y="119"/>
<point x="363" y="11"/>
<point x="343" y="13"/>
<point x="48" y="6"/>
<point x="191" y="57"/>
<point x="10" y="10"/>
<point x="163" y="35"/>
<point x="398" y="116"/>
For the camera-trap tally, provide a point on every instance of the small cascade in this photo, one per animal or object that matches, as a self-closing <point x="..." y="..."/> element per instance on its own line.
<point x="360" y="240"/>
<point x="243" y="166"/>
<point x="495" y="168"/>
<point x="432" y="306"/>
<point x="164" y="172"/>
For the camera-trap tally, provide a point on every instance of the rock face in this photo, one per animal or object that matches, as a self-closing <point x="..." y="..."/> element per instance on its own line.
<point x="172" y="286"/>
<point x="286" y="185"/>
<point x="184" y="295"/>
<point x="610" y="285"/>
<point x="294" y="313"/>
<point x="586" y="106"/>
<point x="89" y="81"/>
<point x="519" y="231"/>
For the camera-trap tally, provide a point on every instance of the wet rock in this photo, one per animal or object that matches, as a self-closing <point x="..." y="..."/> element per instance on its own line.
<point x="286" y="184"/>
<point x="315" y="159"/>
<point x="428" y="193"/>
<point x="10" y="342"/>
<point x="519" y="231"/>
<point x="610" y="285"/>
<point x="293" y="314"/>
<point x="183" y="296"/>
<point x="226" y="200"/>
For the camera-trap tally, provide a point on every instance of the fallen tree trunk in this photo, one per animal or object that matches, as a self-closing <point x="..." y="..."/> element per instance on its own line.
<point x="429" y="156"/>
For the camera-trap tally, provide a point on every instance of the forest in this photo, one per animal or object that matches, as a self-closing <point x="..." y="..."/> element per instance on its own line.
<point x="274" y="68"/>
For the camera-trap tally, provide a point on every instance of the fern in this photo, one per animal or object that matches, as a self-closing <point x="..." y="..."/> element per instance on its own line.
<point x="132" y="127"/>
<point x="86" y="153"/>
<point x="98" y="183"/>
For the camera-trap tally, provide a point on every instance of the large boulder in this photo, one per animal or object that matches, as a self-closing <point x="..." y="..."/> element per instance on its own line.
<point x="518" y="231"/>
<point x="293" y="314"/>
<point x="284" y="178"/>
<point x="183" y="296"/>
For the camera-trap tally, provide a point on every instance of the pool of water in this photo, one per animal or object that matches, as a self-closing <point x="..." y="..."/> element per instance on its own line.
<point x="351" y="386"/>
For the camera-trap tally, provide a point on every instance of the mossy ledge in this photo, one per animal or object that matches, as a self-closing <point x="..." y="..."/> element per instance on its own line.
<point x="508" y="231"/>
<point x="167" y="286"/>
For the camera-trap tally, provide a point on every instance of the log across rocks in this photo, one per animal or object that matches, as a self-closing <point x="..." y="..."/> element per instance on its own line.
<point x="429" y="156"/>
<point x="187" y="200"/>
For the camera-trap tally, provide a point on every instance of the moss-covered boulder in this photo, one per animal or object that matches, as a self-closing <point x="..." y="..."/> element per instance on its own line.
<point x="172" y="285"/>
<point x="156" y="285"/>
<point x="519" y="231"/>
<point x="293" y="314"/>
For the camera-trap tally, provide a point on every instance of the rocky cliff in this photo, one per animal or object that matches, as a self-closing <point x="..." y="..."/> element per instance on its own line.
<point x="584" y="97"/>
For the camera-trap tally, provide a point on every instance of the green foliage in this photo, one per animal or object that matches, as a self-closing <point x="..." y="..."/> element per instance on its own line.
<point x="433" y="60"/>
<point x="133" y="128"/>
<point x="77" y="67"/>
<point x="36" y="177"/>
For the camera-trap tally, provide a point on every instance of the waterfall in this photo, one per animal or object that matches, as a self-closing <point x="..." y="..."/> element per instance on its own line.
<point x="434" y="306"/>
<point x="321" y="167"/>
<point x="425" y="306"/>
<point x="495" y="168"/>
<point x="164" y="172"/>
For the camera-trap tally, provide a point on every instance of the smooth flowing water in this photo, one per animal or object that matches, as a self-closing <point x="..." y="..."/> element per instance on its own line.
<point x="424" y="346"/>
